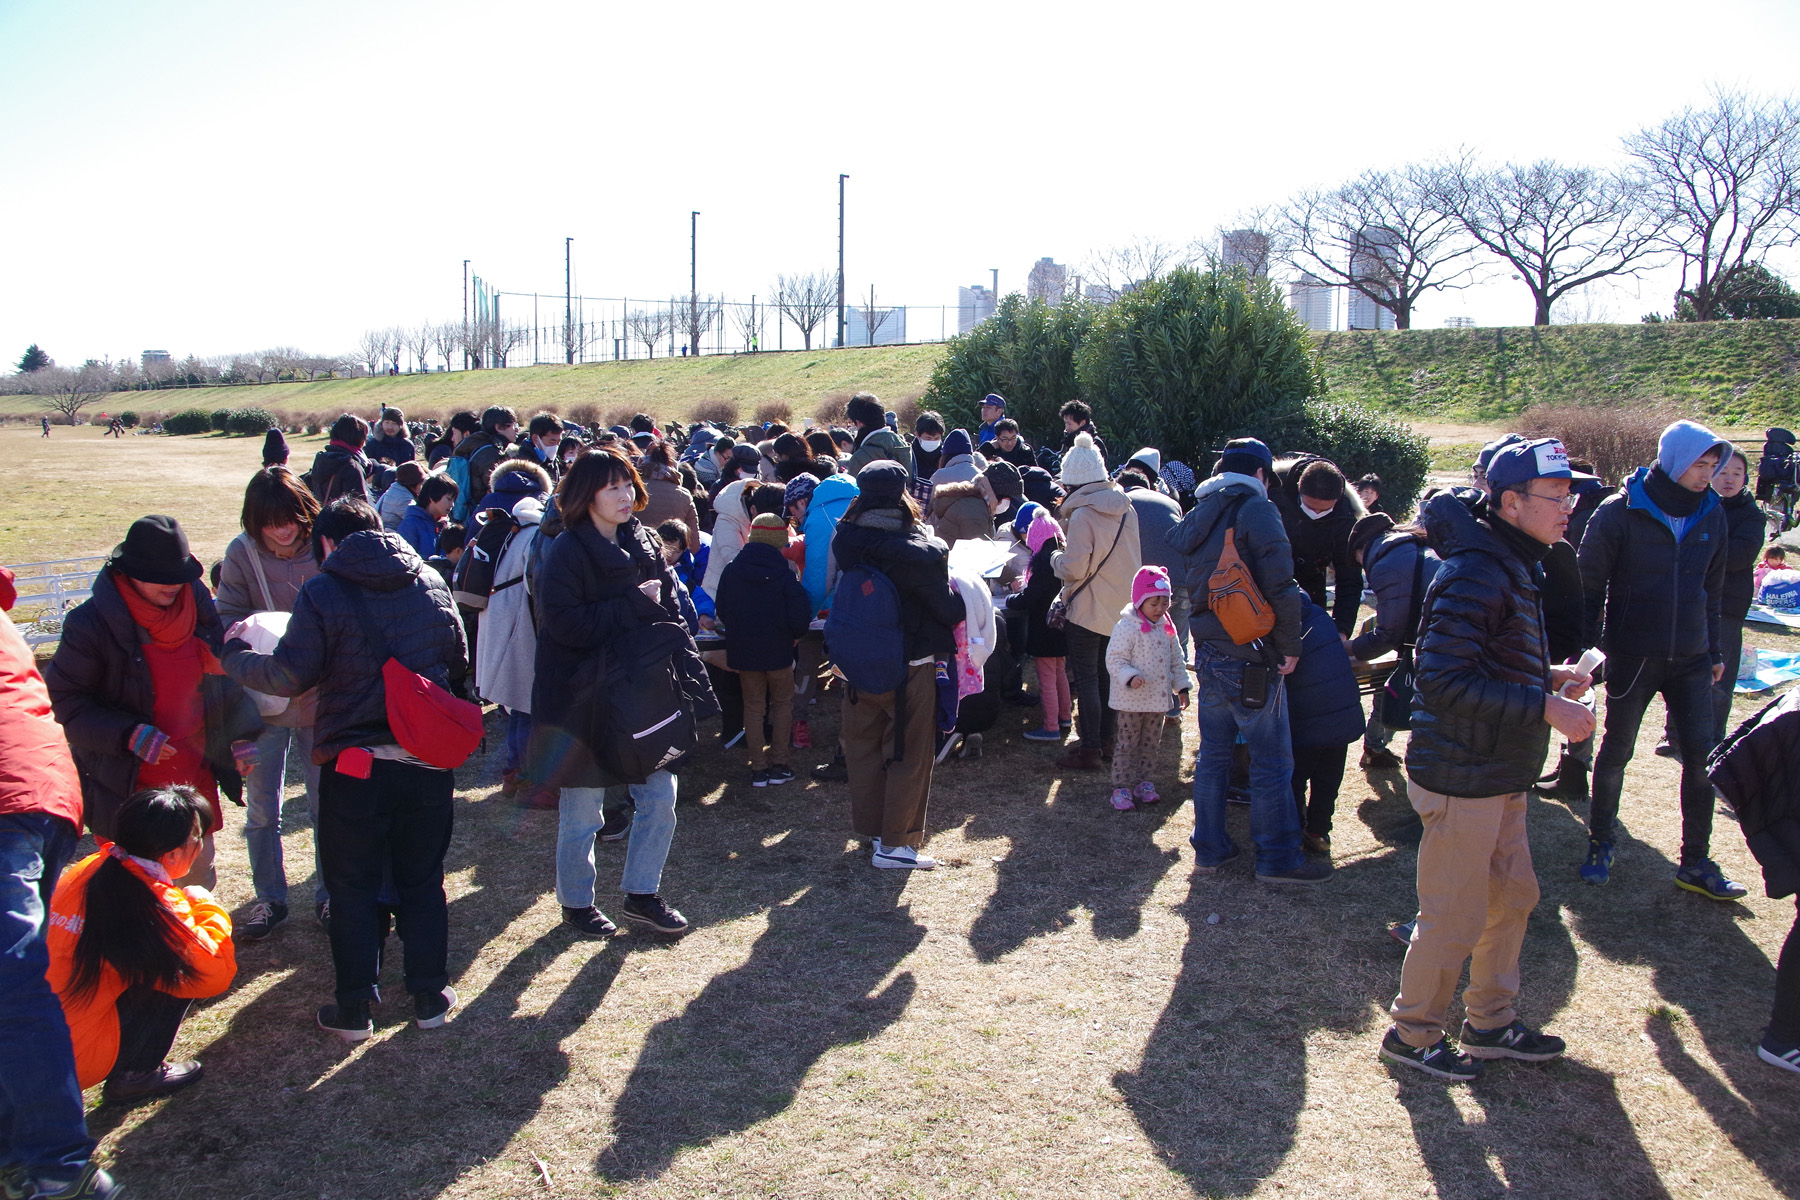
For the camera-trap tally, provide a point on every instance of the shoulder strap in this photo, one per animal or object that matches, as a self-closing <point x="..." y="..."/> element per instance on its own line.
<point x="1117" y="534"/>
<point x="262" y="580"/>
<point x="1418" y="599"/>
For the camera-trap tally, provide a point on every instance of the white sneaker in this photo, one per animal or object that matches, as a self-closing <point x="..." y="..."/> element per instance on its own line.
<point x="902" y="858"/>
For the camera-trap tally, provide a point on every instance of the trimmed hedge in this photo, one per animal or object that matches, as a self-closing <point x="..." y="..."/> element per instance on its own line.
<point x="1360" y="440"/>
<point x="248" y="421"/>
<point x="219" y="419"/>
<point x="192" y="420"/>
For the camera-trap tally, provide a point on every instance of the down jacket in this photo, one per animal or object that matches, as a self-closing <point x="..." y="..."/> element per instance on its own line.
<point x="100" y="688"/>
<point x="506" y="653"/>
<point x="340" y="472"/>
<point x="1261" y="541"/>
<point x="763" y="608"/>
<point x="1039" y="593"/>
<point x="960" y="513"/>
<point x="1155" y="655"/>
<point x="1649" y="596"/>
<point x="1324" y="702"/>
<point x="1094" y="515"/>
<point x="823" y="512"/>
<point x="1323" y="543"/>
<point x="1746" y="528"/>
<point x="1389" y="566"/>
<point x="327" y="647"/>
<point x="731" y="529"/>
<point x="1757" y="770"/>
<point x="1482" y="667"/>
<point x="918" y="565"/>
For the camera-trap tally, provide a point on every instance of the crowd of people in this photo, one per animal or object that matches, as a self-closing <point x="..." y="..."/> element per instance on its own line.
<point x="614" y="591"/>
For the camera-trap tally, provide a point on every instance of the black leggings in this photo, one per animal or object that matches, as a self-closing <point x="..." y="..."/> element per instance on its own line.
<point x="1323" y="768"/>
<point x="1091" y="686"/>
<point x="1784" y="1023"/>
<point x="148" y="1022"/>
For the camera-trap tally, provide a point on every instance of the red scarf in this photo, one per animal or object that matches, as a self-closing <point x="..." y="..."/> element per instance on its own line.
<point x="177" y="660"/>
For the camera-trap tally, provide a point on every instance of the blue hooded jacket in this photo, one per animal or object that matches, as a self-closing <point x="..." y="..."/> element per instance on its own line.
<point x="823" y="512"/>
<point x="1324" y="704"/>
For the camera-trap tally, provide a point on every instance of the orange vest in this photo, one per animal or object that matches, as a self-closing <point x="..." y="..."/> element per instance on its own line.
<point x="94" y="1018"/>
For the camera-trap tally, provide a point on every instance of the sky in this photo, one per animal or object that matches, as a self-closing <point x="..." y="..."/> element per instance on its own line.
<point x="208" y="177"/>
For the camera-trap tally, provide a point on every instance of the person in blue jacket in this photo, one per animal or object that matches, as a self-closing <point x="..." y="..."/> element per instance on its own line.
<point x="1325" y="716"/>
<point x="419" y="523"/>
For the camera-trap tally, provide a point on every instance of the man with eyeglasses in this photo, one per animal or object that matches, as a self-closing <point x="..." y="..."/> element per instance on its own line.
<point x="1486" y="700"/>
<point x="1653" y="569"/>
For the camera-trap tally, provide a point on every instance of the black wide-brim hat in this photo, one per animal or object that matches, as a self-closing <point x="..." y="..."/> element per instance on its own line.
<point x="155" y="550"/>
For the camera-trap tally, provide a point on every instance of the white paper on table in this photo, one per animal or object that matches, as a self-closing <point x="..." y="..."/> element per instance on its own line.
<point x="979" y="557"/>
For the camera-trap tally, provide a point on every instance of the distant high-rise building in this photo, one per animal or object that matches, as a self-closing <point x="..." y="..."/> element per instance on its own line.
<point x="1313" y="301"/>
<point x="1372" y="258"/>
<point x="889" y="323"/>
<point x="155" y="356"/>
<point x="1047" y="281"/>
<point x="1099" y="293"/>
<point x="1245" y="248"/>
<point x="973" y="306"/>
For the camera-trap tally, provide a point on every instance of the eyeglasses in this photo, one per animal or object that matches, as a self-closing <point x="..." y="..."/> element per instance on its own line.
<point x="1566" y="503"/>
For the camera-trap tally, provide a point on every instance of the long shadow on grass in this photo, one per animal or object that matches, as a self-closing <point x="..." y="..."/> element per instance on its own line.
<point x="1718" y="981"/>
<point x="1069" y="851"/>
<point x="739" y="1052"/>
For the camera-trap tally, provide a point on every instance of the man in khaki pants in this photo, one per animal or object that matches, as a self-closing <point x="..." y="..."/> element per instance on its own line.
<point x="1487" y="698"/>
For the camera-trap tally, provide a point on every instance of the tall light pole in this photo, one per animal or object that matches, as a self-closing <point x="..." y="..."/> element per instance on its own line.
<point x="840" y="337"/>
<point x="693" y="283"/>
<point x="465" y="337"/>
<point x="568" y="302"/>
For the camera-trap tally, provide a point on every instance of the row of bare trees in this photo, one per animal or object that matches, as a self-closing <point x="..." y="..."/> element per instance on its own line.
<point x="1714" y="189"/>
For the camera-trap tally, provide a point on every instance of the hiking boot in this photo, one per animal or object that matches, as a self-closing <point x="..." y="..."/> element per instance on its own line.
<point x="835" y="771"/>
<point x="1568" y="783"/>
<point x="509" y="781"/>
<point x="1441" y="1059"/>
<point x="131" y="1087"/>
<point x="902" y="858"/>
<point x="1705" y="878"/>
<point x="1668" y="749"/>
<point x="432" y="1009"/>
<point x="1306" y="872"/>
<point x="1597" y="868"/>
<point x="537" y="796"/>
<point x="1316" y="844"/>
<point x="260" y="921"/>
<point x="616" y="826"/>
<point x="1146" y="793"/>
<point x="1043" y="735"/>
<point x="588" y="922"/>
<point x="802" y="736"/>
<point x="759" y="779"/>
<point x="1510" y="1041"/>
<point x="1122" y="801"/>
<point x="1079" y="758"/>
<point x="1778" y="1054"/>
<point x="1379" y="758"/>
<point x="90" y="1183"/>
<point x="653" y="914"/>
<point x="779" y="774"/>
<point x="349" y="1021"/>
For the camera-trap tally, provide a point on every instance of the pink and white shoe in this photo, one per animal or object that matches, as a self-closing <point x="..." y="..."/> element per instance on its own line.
<point x="1121" y="799"/>
<point x="1146" y="793"/>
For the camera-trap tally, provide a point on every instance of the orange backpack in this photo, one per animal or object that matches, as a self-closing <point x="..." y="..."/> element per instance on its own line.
<point x="1232" y="594"/>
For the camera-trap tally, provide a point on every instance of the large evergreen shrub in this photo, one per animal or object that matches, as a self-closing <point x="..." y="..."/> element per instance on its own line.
<point x="192" y="420"/>
<point x="1025" y="352"/>
<point x="220" y="418"/>
<point x="246" y="421"/>
<point x="1360" y="440"/>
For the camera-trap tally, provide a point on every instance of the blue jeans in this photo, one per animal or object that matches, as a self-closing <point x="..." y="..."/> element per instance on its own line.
<point x="652" y="830"/>
<point x="42" y="1126"/>
<point x="262" y="809"/>
<point x="1274" y="825"/>
<point x="518" y="736"/>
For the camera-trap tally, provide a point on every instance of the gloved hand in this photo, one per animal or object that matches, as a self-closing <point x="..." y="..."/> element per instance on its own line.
<point x="150" y="744"/>
<point x="245" y="755"/>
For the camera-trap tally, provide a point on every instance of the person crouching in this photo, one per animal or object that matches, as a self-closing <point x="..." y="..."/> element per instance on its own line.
<point x="1145" y="660"/>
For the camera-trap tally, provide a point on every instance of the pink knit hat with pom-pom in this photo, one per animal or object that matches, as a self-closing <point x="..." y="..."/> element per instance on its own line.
<point x="1150" y="581"/>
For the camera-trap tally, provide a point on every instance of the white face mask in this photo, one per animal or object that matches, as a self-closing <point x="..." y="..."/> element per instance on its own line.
<point x="929" y="444"/>
<point x="1316" y="515"/>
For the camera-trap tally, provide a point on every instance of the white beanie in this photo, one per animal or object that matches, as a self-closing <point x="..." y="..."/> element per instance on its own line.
<point x="1083" y="463"/>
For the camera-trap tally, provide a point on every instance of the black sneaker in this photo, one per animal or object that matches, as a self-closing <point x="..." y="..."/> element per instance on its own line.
<point x="653" y="914"/>
<point x="616" y="827"/>
<point x="759" y="779"/>
<point x="589" y="922"/>
<point x="779" y="775"/>
<point x="131" y="1087"/>
<point x="1441" y="1059"/>
<point x="432" y="1009"/>
<point x="350" y="1021"/>
<point x="90" y="1183"/>
<point x="1510" y="1041"/>
<point x="1311" y="871"/>
<point x="260" y="921"/>
<point x="1777" y="1053"/>
<point x="835" y="771"/>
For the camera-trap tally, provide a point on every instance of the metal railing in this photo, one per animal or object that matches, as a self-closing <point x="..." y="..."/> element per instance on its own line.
<point x="47" y="591"/>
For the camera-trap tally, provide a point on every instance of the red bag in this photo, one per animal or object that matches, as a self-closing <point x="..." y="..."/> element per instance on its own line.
<point x="429" y="723"/>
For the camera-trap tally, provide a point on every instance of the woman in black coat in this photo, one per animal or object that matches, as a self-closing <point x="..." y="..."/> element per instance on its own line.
<point x="603" y="588"/>
<point x="881" y="530"/>
<point x="1047" y="647"/>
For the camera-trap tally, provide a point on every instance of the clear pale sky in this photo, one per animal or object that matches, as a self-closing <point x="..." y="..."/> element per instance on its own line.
<point x="210" y="177"/>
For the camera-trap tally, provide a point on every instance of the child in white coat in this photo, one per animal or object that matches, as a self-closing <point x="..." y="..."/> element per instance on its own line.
<point x="1145" y="660"/>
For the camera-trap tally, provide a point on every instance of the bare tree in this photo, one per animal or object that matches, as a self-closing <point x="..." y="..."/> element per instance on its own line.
<point x="447" y="339"/>
<point x="1558" y="227"/>
<point x="874" y="318"/>
<point x="748" y="319"/>
<point x="1255" y="239"/>
<point x="696" y="316"/>
<point x="806" y="300"/>
<point x="1128" y="267"/>
<point x="649" y="326"/>
<point x="503" y="339"/>
<point x="1725" y="180"/>
<point x="418" y="341"/>
<point x="1384" y="235"/>
<point x="372" y="350"/>
<point x="279" y="360"/>
<point x="69" y="390"/>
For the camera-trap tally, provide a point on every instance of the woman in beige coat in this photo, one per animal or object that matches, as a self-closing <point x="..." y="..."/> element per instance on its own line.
<point x="1097" y="564"/>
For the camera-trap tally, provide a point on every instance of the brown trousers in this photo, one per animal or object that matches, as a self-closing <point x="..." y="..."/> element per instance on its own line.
<point x="1476" y="889"/>
<point x="887" y="799"/>
<point x="771" y="694"/>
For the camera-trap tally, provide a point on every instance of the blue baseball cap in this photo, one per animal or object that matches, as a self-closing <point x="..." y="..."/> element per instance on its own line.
<point x="1522" y="461"/>
<point x="1494" y="447"/>
<point x="995" y="400"/>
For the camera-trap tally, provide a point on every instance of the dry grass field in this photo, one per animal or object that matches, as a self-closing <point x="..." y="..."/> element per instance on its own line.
<point x="1062" y="1010"/>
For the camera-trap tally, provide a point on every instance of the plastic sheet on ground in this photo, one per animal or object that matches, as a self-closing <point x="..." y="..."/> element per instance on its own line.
<point x="1770" y="616"/>
<point x="1770" y="670"/>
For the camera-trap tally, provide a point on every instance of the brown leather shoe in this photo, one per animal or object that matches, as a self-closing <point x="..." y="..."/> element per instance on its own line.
<point x="1079" y="758"/>
<point x="130" y="1087"/>
<point x="536" y="795"/>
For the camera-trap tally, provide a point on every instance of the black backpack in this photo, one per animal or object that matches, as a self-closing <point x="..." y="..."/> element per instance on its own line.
<point x="475" y="571"/>
<point x="647" y="717"/>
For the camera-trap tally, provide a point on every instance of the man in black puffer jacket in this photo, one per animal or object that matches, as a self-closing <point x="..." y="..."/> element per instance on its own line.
<point x="1487" y="698"/>
<point x="1319" y="509"/>
<point x="378" y="806"/>
<point x="1653" y="567"/>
